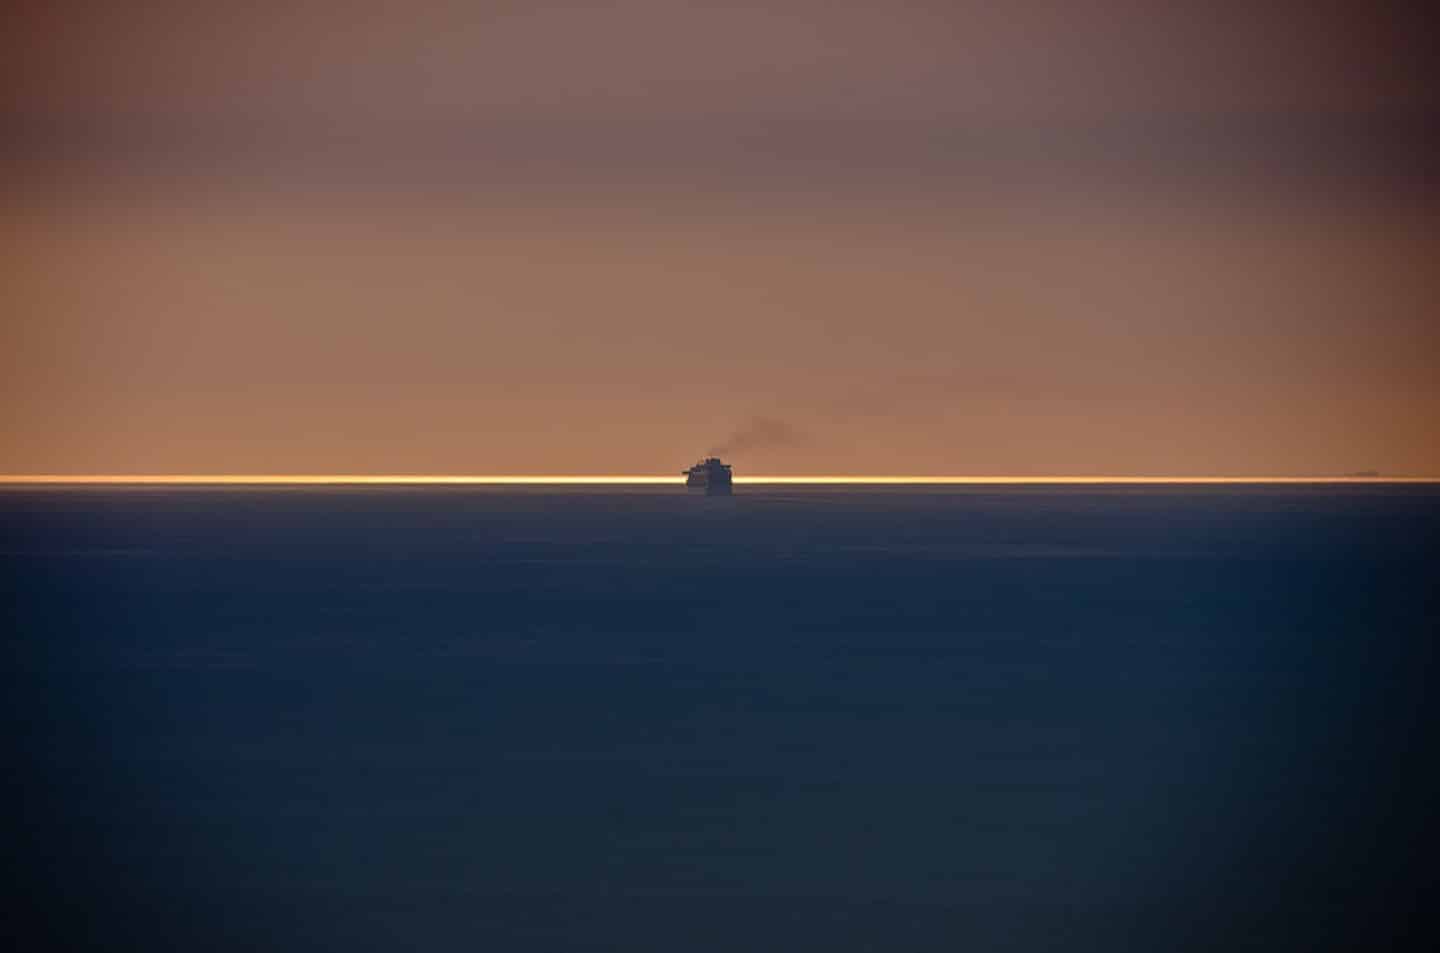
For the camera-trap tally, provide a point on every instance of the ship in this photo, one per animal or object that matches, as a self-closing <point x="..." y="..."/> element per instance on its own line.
<point x="709" y="475"/>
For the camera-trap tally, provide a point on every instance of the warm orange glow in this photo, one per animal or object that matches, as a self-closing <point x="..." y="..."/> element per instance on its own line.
<point x="172" y="479"/>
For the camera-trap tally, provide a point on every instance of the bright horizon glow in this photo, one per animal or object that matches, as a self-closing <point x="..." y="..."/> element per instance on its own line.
<point x="229" y="479"/>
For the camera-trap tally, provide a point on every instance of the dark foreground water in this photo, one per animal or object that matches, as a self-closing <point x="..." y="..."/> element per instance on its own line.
<point x="635" y="720"/>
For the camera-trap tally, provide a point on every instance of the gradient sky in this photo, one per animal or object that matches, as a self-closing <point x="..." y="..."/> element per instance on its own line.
<point x="1023" y="238"/>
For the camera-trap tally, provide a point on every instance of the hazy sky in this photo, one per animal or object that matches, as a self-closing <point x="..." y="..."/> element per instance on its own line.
<point x="1066" y="237"/>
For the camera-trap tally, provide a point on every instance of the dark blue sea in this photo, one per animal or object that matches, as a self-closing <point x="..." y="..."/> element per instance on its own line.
<point x="631" y="719"/>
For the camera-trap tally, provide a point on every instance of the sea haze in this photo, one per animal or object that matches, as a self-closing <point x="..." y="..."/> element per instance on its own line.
<point x="551" y="719"/>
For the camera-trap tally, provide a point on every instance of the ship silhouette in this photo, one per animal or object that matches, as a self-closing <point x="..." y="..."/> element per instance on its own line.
<point x="709" y="475"/>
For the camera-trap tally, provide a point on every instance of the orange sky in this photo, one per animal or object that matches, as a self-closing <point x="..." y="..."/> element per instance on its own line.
<point x="1066" y="239"/>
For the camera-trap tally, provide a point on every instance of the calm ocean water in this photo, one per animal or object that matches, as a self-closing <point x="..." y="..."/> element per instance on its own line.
<point x="631" y="719"/>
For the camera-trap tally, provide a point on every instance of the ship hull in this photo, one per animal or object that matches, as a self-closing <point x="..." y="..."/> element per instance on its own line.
<point x="708" y="487"/>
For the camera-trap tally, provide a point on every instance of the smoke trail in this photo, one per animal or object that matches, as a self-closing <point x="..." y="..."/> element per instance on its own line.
<point x="759" y="433"/>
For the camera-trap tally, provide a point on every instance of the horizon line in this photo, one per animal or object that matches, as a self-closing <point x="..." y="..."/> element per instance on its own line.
<point x="341" y="479"/>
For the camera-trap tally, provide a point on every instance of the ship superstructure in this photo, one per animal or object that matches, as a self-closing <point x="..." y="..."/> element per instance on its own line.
<point x="709" y="475"/>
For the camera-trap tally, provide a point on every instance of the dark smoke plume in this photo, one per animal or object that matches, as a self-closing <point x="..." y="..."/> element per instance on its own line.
<point x="758" y="433"/>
